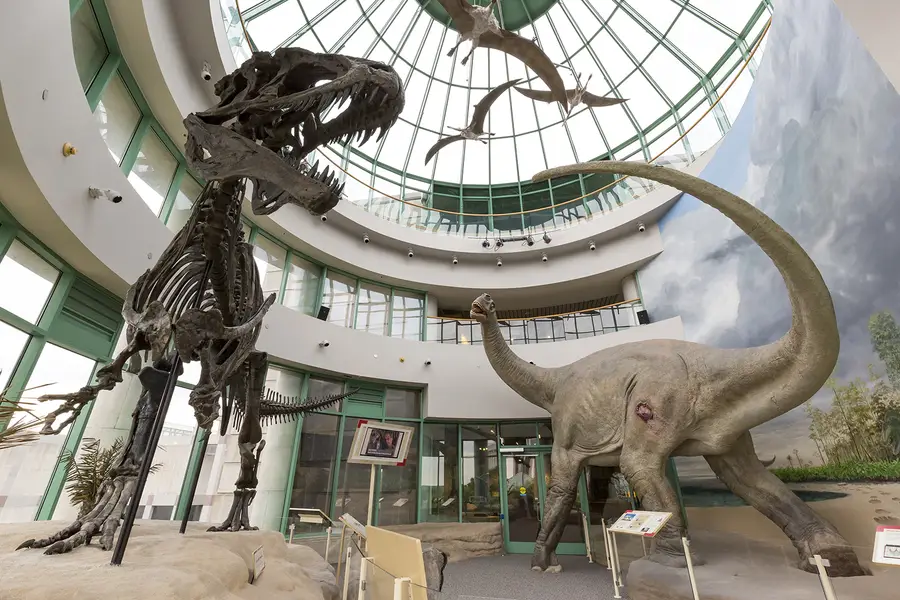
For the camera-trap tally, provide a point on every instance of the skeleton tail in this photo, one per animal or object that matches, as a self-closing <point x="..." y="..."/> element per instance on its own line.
<point x="278" y="408"/>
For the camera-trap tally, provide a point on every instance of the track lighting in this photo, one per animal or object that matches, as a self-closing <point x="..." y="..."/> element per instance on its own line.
<point x="546" y="238"/>
<point x="544" y="257"/>
<point x="498" y="244"/>
<point x="409" y="252"/>
<point x="592" y="246"/>
<point x="365" y="238"/>
<point x="485" y="244"/>
<point x="499" y="262"/>
<point x="455" y="261"/>
<point x="529" y="240"/>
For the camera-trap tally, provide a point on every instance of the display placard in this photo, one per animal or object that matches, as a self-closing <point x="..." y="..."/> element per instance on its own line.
<point x="259" y="564"/>
<point x="641" y="522"/>
<point x="376" y="443"/>
<point x="353" y="525"/>
<point x="887" y="545"/>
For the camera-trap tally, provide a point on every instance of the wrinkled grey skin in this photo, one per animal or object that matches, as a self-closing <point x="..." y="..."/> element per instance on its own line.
<point x="267" y="121"/>
<point x="637" y="404"/>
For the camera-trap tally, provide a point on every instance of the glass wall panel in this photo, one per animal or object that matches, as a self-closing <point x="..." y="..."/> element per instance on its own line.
<point x="118" y="116"/>
<point x="518" y="434"/>
<point x="87" y="42"/>
<point x="407" y="314"/>
<point x="153" y="172"/>
<point x="12" y="342"/>
<point x="439" y="487"/>
<point x="318" y="388"/>
<point x="301" y="291"/>
<point x="353" y="488"/>
<point x="270" y="259"/>
<point x="402" y="403"/>
<point x="480" y="474"/>
<point x="314" y="472"/>
<point x="339" y="294"/>
<point x="25" y="470"/>
<point x="372" y="310"/>
<point x="26" y="282"/>
<point x="188" y="192"/>
<point x="399" y="490"/>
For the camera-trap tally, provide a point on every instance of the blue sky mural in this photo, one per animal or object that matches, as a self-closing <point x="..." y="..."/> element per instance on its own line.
<point x="815" y="147"/>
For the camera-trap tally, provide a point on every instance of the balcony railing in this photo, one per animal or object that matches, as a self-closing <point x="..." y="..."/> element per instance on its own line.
<point x="538" y="330"/>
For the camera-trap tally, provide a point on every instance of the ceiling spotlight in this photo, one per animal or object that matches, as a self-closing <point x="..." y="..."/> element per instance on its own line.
<point x="641" y="227"/>
<point x="427" y="362"/>
<point x="544" y="257"/>
<point x="485" y="244"/>
<point x="455" y="261"/>
<point x="592" y="245"/>
<point x="546" y="238"/>
<point x="529" y="240"/>
<point x="498" y="243"/>
<point x="409" y="252"/>
<point x="324" y="344"/>
<point x="365" y="238"/>
<point x="324" y="218"/>
<point x="499" y="262"/>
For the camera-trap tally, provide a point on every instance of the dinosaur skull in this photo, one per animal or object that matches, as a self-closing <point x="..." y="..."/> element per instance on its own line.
<point x="269" y="118"/>
<point x="483" y="308"/>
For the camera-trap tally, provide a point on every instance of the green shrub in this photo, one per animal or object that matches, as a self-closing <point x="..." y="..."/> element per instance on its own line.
<point x="883" y="470"/>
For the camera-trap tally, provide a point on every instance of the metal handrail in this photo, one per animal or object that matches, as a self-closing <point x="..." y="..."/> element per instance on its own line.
<point x="565" y="314"/>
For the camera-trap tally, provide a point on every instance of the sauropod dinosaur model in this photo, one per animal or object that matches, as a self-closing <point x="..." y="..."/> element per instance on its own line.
<point x="639" y="403"/>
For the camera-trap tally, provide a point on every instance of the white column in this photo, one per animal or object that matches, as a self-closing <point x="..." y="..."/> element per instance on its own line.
<point x="629" y="288"/>
<point x="277" y="459"/>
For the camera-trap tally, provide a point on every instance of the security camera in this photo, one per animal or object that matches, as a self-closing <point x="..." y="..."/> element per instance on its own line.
<point x="365" y="238"/>
<point x="324" y="344"/>
<point x="641" y="227"/>
<point x="592" y="246"/>
<point x="110" y="195"/>
<point x="546" y="238"/>
<point x="205" y="71"/>
<point x="427" y="361"/>
<point x="455" y="261"/>
<point x="409" y="252"/>
<point x="324" y="218"/>
<point x="544" y="257"/>
<point x="485" y="244"/>
<point x="499" y="262"/>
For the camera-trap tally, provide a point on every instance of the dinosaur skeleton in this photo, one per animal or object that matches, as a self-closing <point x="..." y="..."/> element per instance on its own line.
<point x="203" y="300"/>
<point x="475" y="129"/>
<point x="576" y="96"/>
<point x="478" y="25"/>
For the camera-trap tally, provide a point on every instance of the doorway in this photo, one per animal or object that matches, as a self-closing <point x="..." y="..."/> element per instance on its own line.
<point x="527" y="478"/>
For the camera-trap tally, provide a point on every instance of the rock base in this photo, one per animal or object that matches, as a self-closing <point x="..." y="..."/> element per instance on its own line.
<point x="459" y="541"/>
<point x="161" y="563"/>
<point x="740" y="569"/>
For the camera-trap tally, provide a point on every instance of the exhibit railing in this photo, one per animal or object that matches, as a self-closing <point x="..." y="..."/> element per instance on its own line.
<point x="541" y="330"/>
<point x="409" y="200"/>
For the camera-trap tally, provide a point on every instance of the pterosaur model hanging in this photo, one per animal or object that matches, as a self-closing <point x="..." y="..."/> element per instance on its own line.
<point x="577" y="96"/>
<point x="475" y="129"/>
<point x="478" y="24"/>
<point x="203" y="299"/>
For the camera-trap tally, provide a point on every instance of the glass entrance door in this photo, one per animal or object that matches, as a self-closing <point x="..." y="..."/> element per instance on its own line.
<point x="527" y="479"/>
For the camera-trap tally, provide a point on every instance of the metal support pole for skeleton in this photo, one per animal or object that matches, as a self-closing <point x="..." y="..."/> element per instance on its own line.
<point x="827" y="588"/>
<point x="347" y="573"/>
<point x="617" y="574"/>
<point x="690" y="567"/>
<point x="291" y="528"/>
<point x="327" y="542"/>
<point x="371" y="495"/>
<point x="337" y="573"/>
<point x="195" y="477"/>
<point x="363" y="570"/>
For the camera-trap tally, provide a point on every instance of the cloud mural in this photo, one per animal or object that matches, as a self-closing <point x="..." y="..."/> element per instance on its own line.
<point x="815" y="147"/>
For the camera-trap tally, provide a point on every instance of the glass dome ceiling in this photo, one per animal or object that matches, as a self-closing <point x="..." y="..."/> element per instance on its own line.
<point x="670" y="58"/>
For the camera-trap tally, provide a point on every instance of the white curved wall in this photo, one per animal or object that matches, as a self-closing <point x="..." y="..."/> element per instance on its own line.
<point x="114" y="244"/>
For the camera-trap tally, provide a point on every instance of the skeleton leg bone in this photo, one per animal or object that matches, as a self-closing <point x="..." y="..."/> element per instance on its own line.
<point x="747" y="478"/>
<point x="117" y="491"/>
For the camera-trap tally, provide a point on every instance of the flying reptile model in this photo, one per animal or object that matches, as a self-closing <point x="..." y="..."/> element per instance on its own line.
<point x="478" y="25"/>
<point x="579" y="95"/>
<point x="475" y="130"/>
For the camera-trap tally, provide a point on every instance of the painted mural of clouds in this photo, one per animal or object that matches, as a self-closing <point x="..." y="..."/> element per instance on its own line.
<point x="815" y="148"/>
